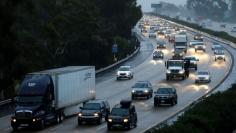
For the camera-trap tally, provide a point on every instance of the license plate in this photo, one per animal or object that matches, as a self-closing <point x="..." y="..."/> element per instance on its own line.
<point x="24" y="125"/>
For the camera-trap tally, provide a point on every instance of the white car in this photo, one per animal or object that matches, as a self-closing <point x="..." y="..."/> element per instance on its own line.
<point x="124" y="72"/>
<point x="219" y="55"/>
<point x="203" y="77"/>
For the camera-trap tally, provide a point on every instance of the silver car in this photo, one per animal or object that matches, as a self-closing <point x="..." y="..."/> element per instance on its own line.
<point x="142" y="89"/>
<point x="203" y="77"/>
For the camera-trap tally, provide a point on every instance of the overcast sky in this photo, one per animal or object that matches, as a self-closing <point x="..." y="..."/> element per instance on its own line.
<point x="146" y="4"/>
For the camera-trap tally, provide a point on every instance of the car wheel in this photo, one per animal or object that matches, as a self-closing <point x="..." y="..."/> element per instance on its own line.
<point x="130" y="126"/>
<point x="108" y="127"/>
<point x="155" y="104"/>
<point x="79" y="122"/>
<point x="176" y="102"/>
<point x="132" y="97"/>
<point x="224" y="60"/>
<point x="15" y="128"/>
<point x="173" y="102"/>
<point x="99" y="120"/>
<point x="196" y="68"/>
<point x="117" y="78"/>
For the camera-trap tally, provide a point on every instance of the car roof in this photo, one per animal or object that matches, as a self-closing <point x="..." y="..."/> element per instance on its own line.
<point x="203" y="71"/>
<point x="96" y="101"/>
<point x="124" y="66"/>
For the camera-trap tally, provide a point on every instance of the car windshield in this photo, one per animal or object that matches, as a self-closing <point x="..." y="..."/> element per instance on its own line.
<point x="124" y="69"/>
<point x="219" y="52"/>
<point x="175" y="63"/>
<point x="164" y="90"/>
<point x="189" y="58"/>
<point x="91" y="106"/>
<point x="140" y="85"/>
<point x="202" y="73"/>
<point x="29" y="99"/>
<point x="120" y="112"/>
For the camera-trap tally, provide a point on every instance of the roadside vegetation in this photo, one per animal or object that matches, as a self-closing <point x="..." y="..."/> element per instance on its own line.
<point x="215" y="114"/>
<point x="42" y="34"/>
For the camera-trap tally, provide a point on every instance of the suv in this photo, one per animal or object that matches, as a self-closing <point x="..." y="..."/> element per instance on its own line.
<point x="123" y="115"/>
<point x="94" y="111"/>
<point x="198" y="37"/>
<point x="142" y="89"/>
<point x="200" y="46"/>
<point x="166" y="95"/>
<point x="124" y="72"/>
<point x="193" y="61"/>
<point x="158" y="55"/>
<point x="161" y="44"/>
<point x="219" y="55"/>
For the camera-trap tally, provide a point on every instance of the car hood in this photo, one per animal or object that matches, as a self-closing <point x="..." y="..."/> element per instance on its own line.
<point x="139" y="89"/>
<point x="175" y="68"/>
<point x="88" y="112"/>
<point x="203" y="76"/>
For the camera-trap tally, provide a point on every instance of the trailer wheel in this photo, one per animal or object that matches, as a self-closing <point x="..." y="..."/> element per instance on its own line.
<point x="62" y="117"/>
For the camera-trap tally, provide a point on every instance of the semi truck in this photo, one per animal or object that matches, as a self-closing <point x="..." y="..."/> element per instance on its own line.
<point x="51" y="95"/>
<point x="181" y="42"/>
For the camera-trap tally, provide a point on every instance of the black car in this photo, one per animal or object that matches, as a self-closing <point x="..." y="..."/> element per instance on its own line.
<point x="94" y="111"/>
<point x="178" y="54"/>
<point x="122" y="115"/>
<point x="158" y="55"/>
<point x="166" y="95"/>
<point x="193" y="61"/>
<point x="198" y="37"/>
<point x="142" y="89"/>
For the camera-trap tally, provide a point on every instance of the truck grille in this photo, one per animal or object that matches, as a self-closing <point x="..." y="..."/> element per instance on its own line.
<point x="122" y="74"/>
<point x="23" y="114"/>
<point x="174" y="71"/>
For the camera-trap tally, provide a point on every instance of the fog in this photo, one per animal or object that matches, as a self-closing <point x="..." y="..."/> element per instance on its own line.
<point x="146" y="4"/>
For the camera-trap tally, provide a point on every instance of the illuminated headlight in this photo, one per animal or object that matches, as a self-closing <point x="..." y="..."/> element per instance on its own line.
<point x="181" y="71"/>
<point x="34" y="120"/>
<point x="96" y="114"/>
<point x="167" y="71"/>
<point x="204" y="46"/>
<point x="133" y="91"/>
<point x="14" y="120"/>
<point x="80" y="114"/>
<point x="146" y="91"/>
<point x="126" y="120"/>
<point x="109" y="120"/>
<point x="207" y="78"/>
<point x="181" y="54"/>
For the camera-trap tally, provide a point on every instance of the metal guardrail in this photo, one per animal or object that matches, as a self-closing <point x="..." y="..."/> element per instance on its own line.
<point x="5" y="102"/>
<point x="191" y="105"/>
<point x="8" y="101"/>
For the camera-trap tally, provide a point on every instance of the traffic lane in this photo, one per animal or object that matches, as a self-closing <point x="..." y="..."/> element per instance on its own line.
<point x="146" y="49"/>
<point x="147" y="114"/>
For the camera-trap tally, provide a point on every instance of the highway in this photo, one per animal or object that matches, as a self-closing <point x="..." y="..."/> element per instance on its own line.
<point x="144" y="69"/>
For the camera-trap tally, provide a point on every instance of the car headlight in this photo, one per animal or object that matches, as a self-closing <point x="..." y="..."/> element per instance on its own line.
<point x="204" y="46"/>
<point x="14" y="120"/>
<point x="133" y="91"/>
<point x="80" y="114"/>
<point x="96" y="114"/>
<point x="181" y="54"/>
<point x="181" y="71"/>
<point x="109" y="120"/>
<point x="126" y="120"/>
<point x="207" y="78"/>
<point x="167" y="71"/>
<point x="146" y="91"/>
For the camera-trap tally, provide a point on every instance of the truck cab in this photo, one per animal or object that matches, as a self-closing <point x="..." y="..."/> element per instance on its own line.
<point x="175" y="69"/>
<point x="35" y="103"/>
